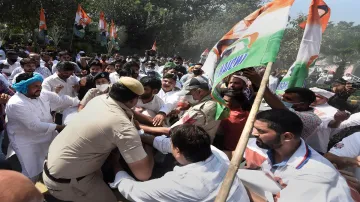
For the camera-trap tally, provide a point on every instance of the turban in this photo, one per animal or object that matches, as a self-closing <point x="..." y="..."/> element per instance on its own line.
<point x="23" y="85"/>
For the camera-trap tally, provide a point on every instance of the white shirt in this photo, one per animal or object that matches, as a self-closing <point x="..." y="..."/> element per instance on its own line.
<point x="54" y="68"/>
<point x="45" y="72"/>
<point x="349" y="147"/>
<point x="153" y="106"/>
<point x="325" y="111"/>
<point x="54" y="80"/>
<point x="5" y="80"/>
<point x="307" y="174"/>
<point x="114" y="77"/>
<point x="273" y="83"/>
<point x="170" y="99"/>
<point x="9" y="68"/>
<point x="199" y="181"/>
<point x="31" y="129"/>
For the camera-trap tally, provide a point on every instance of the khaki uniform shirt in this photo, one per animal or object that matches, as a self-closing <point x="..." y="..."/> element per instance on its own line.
<point x="94" y="92"/>
<point x="202" y="114"/>
<point x="83" y="146"/>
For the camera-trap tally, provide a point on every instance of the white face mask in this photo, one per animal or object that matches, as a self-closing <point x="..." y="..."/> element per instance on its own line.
<point x="102" y="87"/>
<point x="191" y="100"/>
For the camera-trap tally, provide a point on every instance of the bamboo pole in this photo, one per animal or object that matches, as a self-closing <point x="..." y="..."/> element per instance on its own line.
<point x="241" y="146"/>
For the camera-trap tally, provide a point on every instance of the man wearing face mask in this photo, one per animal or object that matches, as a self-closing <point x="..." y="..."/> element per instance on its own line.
<point x="295" y="99"/>
<point x="202" y="113"/>
<point x="179" y="66"/>
<point x="10" y="64"/>
<point x="150" y="70"/>
<point x="197" y="71"/>
<point x="102" y="83"/>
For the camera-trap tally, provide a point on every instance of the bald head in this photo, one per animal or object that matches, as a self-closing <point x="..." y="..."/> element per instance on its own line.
<point x="15" y="187"/>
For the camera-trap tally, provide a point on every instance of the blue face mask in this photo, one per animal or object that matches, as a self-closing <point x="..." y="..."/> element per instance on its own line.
<point x="287" y="104"/>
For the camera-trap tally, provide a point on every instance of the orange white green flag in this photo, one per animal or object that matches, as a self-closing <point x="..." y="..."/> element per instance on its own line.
<point x="81" y="21"/>
<point x="113" y="34"/>
<point x="252" y="42"/>
<point x="316" y="23"/>
<point x="42" y="24"/>
<point x="103" y="29"/>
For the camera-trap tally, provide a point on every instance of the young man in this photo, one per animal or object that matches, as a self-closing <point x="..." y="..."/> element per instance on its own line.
<point x="199" y="178"/>
<point x="63" y="82"/>
<point x="38" y="68"/>
<point x="65" y="56"/>
<point x="10" y="63"/>
<point x="86" y="83"/>
<point x="295" y="99"/>
<point x="72" y="171"/>
<point x="149" y="103"/>
<point x="279" y="150"/>
<point x="30" y="125"/>
<point x="27" y="66"/>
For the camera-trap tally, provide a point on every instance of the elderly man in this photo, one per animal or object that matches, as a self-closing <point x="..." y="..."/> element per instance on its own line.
<point x="202" y="113"/>
<point x="72" y="171"/>
<point x="45" y="72"/>
<point x="30" y="125"/>
<point x="202" y="170"/>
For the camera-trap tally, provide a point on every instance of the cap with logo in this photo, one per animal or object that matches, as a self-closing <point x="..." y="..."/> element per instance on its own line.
<point x="100" y="75"/>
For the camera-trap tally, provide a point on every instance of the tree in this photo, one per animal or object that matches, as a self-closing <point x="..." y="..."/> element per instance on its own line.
<point x="341" y="45"/>
<point x="56" y="33"/>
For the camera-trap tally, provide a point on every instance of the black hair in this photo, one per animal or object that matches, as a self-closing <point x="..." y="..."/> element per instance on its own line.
<point x="124" y="72"/>
<point x="239" y="97"/>
<point x="25" y="61"/>
<point x="130" y="64"/>
<point x="63" y="53"/>
<point x="192" y="141"/>
<point x="24" y="76"/>
<point x="201" y="64"/>
<point x="121" y="93"/>
<point x="65" y="66"/>
<point x="11" y="52"/>
<point x="178" y="57"/>
<point x="170" y="76"/>
<point x="153" y="82"/>
<point x="281" y="121"/>
<point x="305" y="95"/>
<point x="45" y="53"/>
<point x="95" y="62"/>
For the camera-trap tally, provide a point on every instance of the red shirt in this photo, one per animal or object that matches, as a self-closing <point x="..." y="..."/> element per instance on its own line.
<point x="233" y="127"/>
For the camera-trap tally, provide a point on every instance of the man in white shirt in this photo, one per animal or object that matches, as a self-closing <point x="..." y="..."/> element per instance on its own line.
<point x="27" y="66"/>
<point x="279" y="150"/>
<point x="10" y="63"/>
<point x="199" y="178"/>
<point x="65" y="56"/>
<point x="273" y="82"/>
<point x="63" y="82"/>
<point x="30" y="125"/>
<point x="149" y="103"/>
<point x="45" y="72"/>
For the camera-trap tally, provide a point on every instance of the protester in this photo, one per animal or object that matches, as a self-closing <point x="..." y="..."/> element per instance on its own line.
<point x="279" y="150"/>
<point x="15" y="187"/>
<point x="27" y="66"/>
<point x="196" y="71"/>
<point x="179" y="66"/>
<point x="102" y="83"/>
<point x="11" y="63"/>
<point x="273" y="81"/>
<point x="321" y="108"/>
<point x="38" y="68"/>
<point x="86" y="83"/>
<point x="77" y="154"/>
<point x="46" y="60"/>
<point x="232" y="126"/>
<point x="149" y="103"/>
<point x="65" y="56"/>
<point x="110" y="68"/>
<point x="201" y="114"/>
<point x="199" y="178"/>
<point x="30" y="125"/>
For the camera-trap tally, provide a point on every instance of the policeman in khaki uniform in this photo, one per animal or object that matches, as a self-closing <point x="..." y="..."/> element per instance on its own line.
<point x="202" y="113"/>
<point x="72" y="170"/>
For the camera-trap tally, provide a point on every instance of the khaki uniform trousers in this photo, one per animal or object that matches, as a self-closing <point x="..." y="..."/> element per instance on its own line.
<point x="91" y="188"/>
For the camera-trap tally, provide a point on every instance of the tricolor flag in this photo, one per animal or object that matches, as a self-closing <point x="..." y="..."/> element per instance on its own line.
<point x="154" y="46"/>
<point x="42" y="24"/>
<point x="103" y="29"/>
<point x="252" y="42"/>
<point x="113" y="34"/>
<point x="319" y="14"/>
<point x="81" y="20"/>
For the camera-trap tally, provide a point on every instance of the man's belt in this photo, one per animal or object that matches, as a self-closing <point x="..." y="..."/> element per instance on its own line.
<point x="58" y="180"/>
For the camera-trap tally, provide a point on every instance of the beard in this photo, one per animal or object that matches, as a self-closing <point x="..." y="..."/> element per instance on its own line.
<point x="274" y="144"/>
<point x="146" y="96"/>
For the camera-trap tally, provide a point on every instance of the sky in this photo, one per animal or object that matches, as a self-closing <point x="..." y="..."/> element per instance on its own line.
<point x="341" y="10"/>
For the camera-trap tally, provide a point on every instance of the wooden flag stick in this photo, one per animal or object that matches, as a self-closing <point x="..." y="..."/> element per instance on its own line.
<point x="241" y="146"/>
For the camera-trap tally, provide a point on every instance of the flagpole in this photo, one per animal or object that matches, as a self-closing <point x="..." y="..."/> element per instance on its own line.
<point x="241" y="146"/>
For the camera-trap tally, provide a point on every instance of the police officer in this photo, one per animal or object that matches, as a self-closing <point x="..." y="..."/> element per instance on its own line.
<point x="203" y="110"/>
<point x="72" y="170"/>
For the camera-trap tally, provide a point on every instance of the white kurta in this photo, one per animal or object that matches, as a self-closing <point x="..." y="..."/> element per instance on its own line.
<point x="31" y="129"/>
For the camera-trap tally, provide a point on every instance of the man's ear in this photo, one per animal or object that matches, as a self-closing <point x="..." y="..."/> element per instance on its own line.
<point x="288" y="136"/>
<point x="155" y="91"/>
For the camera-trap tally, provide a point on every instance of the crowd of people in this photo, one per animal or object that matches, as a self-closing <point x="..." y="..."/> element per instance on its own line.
<point x="147" y="127"/>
